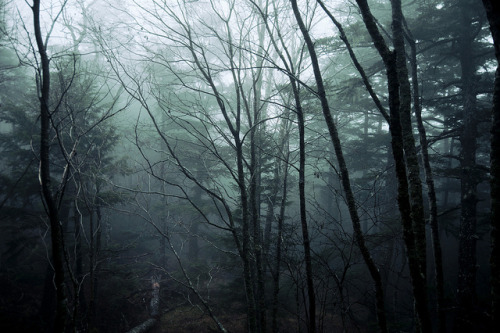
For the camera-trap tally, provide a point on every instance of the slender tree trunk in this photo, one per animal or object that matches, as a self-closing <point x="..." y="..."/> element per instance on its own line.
<point x="248" y="254"/>
<point x="449" y="150"/>
<point x="431" y="191"/>
<point x="162" y="261"/>
<point x="303" y="212"/>
<point x="303" y="221"/>
<point x="276" y="276"/>
<point x="493" y="13"/>
<point x="351" y="203"/>
<point x="49" y="199"/>
<point x="249" y="281"/>
<point x="255" y="174"/>
<point x="311" y="313"/>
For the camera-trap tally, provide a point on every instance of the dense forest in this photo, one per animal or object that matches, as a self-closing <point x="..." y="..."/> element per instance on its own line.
<point x="249" y="166"/>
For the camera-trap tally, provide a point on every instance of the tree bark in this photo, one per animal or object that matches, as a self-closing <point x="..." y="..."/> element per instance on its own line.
<point x="254" y="117"/>
<point x="351" y="203"/>
<point x="412" y="166"/>
<point x="413" y="230"/>
<point x="302" y="201"/>
<point x="431" y="190"/>
<point x="276" y="276"/>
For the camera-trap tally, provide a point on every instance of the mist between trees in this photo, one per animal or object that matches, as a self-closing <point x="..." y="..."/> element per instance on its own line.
<point x="249" y="166"/>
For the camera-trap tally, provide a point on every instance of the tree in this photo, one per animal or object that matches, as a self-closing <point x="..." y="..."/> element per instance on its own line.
<point x="493" y="13"/>
<point x="262" y="167"/>
<point x="344" y="172"/>
<point x="50" y="198"/>
<point x="72" y="109"/>
<point x="230" y="118"/>
<point x="451" y="65"/>
<point x="403" y="146"/>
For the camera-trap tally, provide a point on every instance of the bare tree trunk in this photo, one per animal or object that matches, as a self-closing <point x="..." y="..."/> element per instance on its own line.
<point x="351" y="203"/>
<point x="303" y="220"/>
<point x="276" y="276"/>
<point x="255" y="174"/>
<point x="413" y="228"/>
<point x="431" y="191"/>
<point x="311" y="318"/>
<point x="281" y="172"/>
<point x="50" y="201"/>
<point x="412" y="166"/>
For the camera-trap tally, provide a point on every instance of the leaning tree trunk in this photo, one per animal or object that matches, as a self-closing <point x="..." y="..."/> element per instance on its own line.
<point x="44" y="177"/>
<point x="493" y="13"/>
<point x="406" y="173"/>
<point x="412" y="165"/>
<point x="351" y="203"/>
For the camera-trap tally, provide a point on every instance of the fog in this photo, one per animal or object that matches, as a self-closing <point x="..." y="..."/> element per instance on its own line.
<point x="248" y="166"/>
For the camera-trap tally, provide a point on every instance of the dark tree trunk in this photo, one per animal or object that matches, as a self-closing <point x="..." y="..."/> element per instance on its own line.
<point x="431" y="191"/>
<point x="276" y="276"/>
<point x="303" y="220"/>
<point x="302" y="201"/>
<point x="48" y="302"/>
<point x="493" y="13"/>
<point x="255" y="174"/>
<point x="410" y="151"/>
<point x="413" y="229"/>
<point x="351" y="203"/>
<point x="467" y="261"/>
<point x="50" y="201"/>
<point x="246" y="246"/>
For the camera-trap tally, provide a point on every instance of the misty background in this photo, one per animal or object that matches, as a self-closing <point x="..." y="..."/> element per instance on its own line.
<point x="247" y="166"/>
